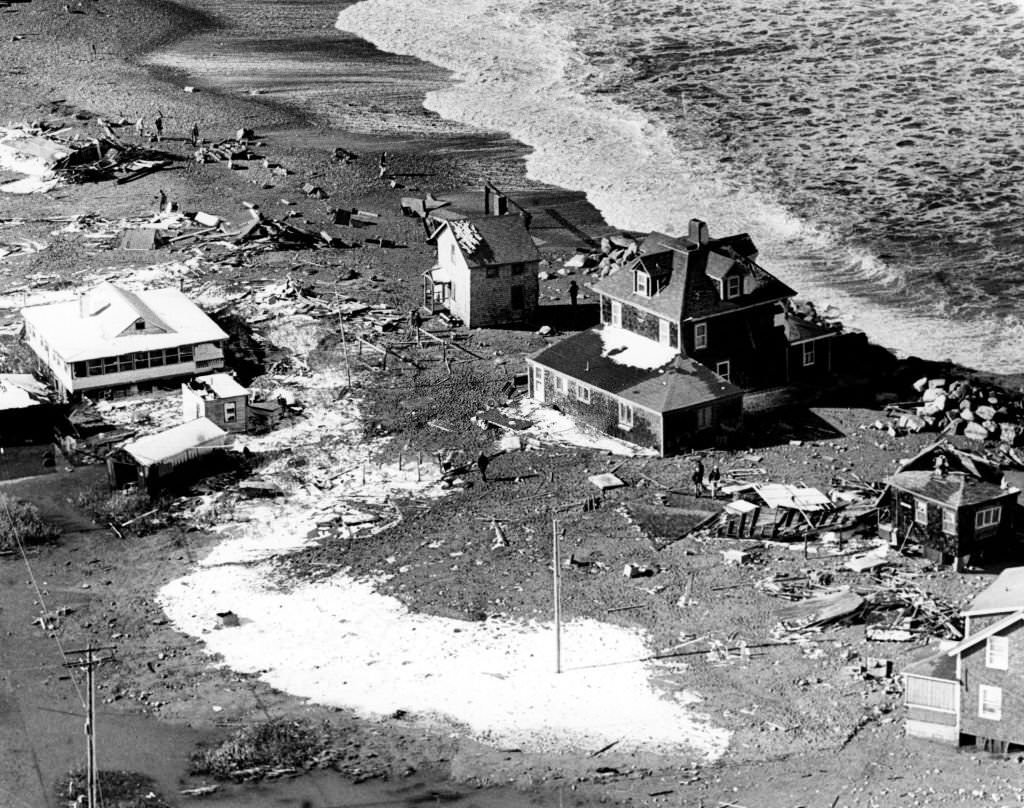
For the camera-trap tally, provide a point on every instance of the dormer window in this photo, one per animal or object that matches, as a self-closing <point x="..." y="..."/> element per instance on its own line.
<point x="140" y="325"/>
<point x="733" y="286"/>
<point x="642" y="283"/>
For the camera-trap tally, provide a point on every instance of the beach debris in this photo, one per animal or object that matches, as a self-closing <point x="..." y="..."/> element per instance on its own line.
<point x="605" y="481"/>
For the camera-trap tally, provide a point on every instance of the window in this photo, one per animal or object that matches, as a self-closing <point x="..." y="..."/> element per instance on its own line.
<point x="625" y="416"/>
<point x="949" y="521"/>
<point x="808" y="354"/>
<point x="703" y="417"/>
<point x="642" y="283"/>
<point x="185" y="353"/>
<point x="140" y="325"/>
<point x="94" y="367"/>
<point x="997" y="653"/>
<point x="723" y="369"/>
<point x="921" y="512"/>
<point x="81" y="369"/>
<point x="700" y="336"/>
<point x="583" y="393"/>
<point x="493" y="272"/>
<point x="518" y="298"/>
<point x="110" y="364"/>
<point x="987" y="517"/>
<point x="560" y="384"/>
<point x="518" y="269"/>
<point x="616" y="314"/>
<point x="230" y="412"/>
<point x="990" y="702"/>
<point x="664" y="332"/>
<point x="156" y="359"/>
<point x="733" y="286"/>
<point x="124" y="363"/>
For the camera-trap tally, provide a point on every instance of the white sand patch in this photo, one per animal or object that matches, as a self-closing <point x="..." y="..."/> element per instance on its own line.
<point x="551" y="426"/>
<point x="341" y="643"/>
<point x="626" y="348"/>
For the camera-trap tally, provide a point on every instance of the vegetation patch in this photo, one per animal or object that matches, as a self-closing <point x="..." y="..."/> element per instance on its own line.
<point x="116" y="788"/>
<point x="125" y="507"/>
<point x="21" y="522"/>
<point x="261" y="748"/>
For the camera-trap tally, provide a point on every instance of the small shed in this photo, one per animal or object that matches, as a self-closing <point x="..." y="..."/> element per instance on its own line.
<point x="218" y="397"/>
<point x="954" y="517"/>
<point x="156" y="459"/>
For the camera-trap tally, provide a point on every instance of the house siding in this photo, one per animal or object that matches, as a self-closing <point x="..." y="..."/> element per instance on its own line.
<point x="1010" y="727"/>
<point x="797" y="372"/>
<point x="945" y="547"/>
<point x="195" y="406"/>
<point x="491" y="298"/>
<point x="749" y="340"/>
<point x="683" y="432"/>
<point x="602" y="412"/>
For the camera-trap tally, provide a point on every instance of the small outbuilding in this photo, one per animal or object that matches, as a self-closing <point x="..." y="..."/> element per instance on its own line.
<point x="156" y="460"/>
<point x="218" y="397"/>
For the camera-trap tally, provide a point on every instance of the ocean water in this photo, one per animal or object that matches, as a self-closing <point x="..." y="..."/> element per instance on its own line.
<point x="874" y="149"/>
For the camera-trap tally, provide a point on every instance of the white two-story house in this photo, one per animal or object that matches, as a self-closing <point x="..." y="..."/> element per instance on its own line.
<point x="110" y="341"/>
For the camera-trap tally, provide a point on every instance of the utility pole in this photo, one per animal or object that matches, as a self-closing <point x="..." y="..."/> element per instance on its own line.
<point x="90" y="662"/>
<point x="557" y="587"/>
<point x="344" y="342"/>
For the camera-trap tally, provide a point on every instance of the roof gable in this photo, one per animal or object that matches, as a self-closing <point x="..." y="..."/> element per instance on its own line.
<point x="1004" y="594"/>
<point x="1000" y="625"/>
<point x="955" y="490"/>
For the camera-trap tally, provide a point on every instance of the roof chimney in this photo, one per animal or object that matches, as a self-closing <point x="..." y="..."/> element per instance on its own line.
<point x="699" y="232"/>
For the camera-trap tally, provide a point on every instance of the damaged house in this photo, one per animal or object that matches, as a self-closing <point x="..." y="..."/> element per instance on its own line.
<point x="952" y="505"/>
<point x="486" y="272"/>
<point x="111" y="341"/>
<point x="971" y="692"/>
<point x="217" y="397"/>
<point x="687" y="324"/>
<point x="157" y="460"/>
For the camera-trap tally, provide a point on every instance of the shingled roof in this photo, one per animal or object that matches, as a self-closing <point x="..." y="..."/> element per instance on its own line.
<point x="953" y="490"/>
<point x="691" y="291"/>
<point x="490" y="240"/>
<point x="678" y="384"/>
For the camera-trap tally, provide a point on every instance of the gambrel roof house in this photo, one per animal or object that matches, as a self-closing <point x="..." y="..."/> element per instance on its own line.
<point x="111" y="338"/>
<point x="712" y="313"/>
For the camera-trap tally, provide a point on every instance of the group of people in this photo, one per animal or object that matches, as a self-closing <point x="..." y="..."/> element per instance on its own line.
<point x="714" y="479"/>
<point x="158" y="128"/>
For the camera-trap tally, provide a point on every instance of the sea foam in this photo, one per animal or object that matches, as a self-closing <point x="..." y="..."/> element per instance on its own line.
<point x="529" y="69"/>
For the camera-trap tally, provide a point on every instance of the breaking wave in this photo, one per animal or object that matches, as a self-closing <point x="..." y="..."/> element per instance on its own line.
<point x="869" y="148"/>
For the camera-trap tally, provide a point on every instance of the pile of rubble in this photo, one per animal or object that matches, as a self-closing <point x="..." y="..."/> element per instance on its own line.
<point x="980" y="412"/>
<point x="49" y="153"/>
<point x="891" y="605"/>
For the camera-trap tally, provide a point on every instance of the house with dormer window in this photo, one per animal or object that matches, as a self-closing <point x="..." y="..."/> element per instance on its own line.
<point x="111" y="341"/>
<point x="704" y="320"/>
<point x="971" y="691"/>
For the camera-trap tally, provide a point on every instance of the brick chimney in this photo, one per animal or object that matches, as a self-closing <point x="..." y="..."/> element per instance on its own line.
<point x="698" y="232"/>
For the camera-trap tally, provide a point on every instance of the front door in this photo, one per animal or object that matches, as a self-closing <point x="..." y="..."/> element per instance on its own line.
<point x="616" y="314"/>
<point x="664" y="332"/>
<point x="538" y="383"/>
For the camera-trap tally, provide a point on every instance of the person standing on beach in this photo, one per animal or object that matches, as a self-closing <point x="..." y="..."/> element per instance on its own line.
<point x="574" y="291"/>
<point x="161" y="201"/>
<point x="195" y="134"/>
<point x="714" y="477"/>
<point x="383" y="165"/>
<point x="482" y="462"/>
<point x="140" y="127"/>
<point x="698" y="477"/>
<point x="159" y="124"/>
